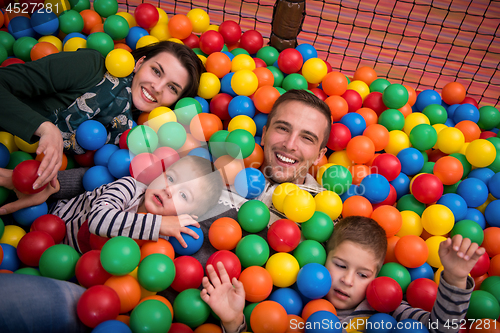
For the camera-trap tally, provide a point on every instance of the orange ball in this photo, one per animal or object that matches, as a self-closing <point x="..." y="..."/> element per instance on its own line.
<point x="203" y="125"/>
<point x="491" y="241"/>
<point x="358" y="172"/>
<point x="389" y="218"/>
<point x="368" y="115"/>
<point x="297" y="324"/>
<point x="360" y="149"/>
<point x="128" y="290"/>
<point x="412" y="95"/>
<point x="378" y="134"/>
<point x="255" y="159"/>
<point x="208" y="328"/>
<point x="406" y="110"/>
<point x="161" y="299"/>
<point x="64" y="162"/>
<point x="453" y="93"/>
<point x="190" y="144"/>
<point x="99" y="27"/>
<point x="485" y="325"/>
<point x="143" y="117"/>
<point x="257" y="282"/>
<point x="160" y="246"/>
<point x="269" y="317"/>
<point x="470" y="130"/>
<point x="229" y="168"/>
<point x="494" y="268"/>
<point x="224" y="233"/>
<point x="90" y="19"/>
<point x="122" y="46"/>
<point x="42" y="49"/>
<point x="218" y="63"/>
<point x="334" y="83"/>
<point x="265" y="76"/>
<point x="265" y="97"/>
<point x="338" y="107"/>
<point x="365" y="74"/>
<point x="313" y="170"/>
<point x="2" y="19"/>
<point x="390" y="256"/>
<point x="180" y="26"/>
<point x="124" y="319"/>
<point x="411" y="251"/>
<point x="316" y="305"/>
<point x="448" y="169"/>
<point x="357" y="205"/>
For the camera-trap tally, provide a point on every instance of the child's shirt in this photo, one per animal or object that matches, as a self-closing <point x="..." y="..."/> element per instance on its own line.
<point x="111" y="210"/>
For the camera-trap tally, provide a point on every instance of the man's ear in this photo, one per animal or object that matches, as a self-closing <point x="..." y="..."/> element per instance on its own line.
<point x="322" y="153"/>
<point x="138" y="64"/>
<point x="264" y="130"/>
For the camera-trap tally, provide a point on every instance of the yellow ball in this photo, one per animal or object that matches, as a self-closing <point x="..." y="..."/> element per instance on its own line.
<point x="481" y="153"/>
<point x="199" y="19"/>
<point x="437" y="275"/>
<point x="146" y="293"/>
<point x="146" y="40"/>
<point x="24" y="146"/>
<point x="398" y="140"/>
<point x="412" y="180"/>
<point x="74" y="44"/>
<point x="283" y="268"/>
<point x="242" y="122"/>
<point x="12" y="234"/>
<point x="280" y="192"/>
<point x="482" y="208"/>
<point x="242" y="61"/>
<point x="52" y="40"/>
<point x="57" y="6"/>
<point x="176" y="40"/>
<point x="321" y="170"/>
<point x="160" y="31"/>
<point x="134" y="273"/>
<point x="203" y="59"/>
<point x="362" y="88"/>
<point x="329" y="203"/>
<point x="463" y="150"/>
<point x="340" y="158"/>
<point x="450" y="140"/>
<point x="163" y="19"/>
<point x="314" y="70"/>
<point x="299" y="206"/>
<point x="433" y="246"/>
<point x="438" y="220"/>
<point x="130" y="19"/>
<point x="160" y="116"/>
<point x="213" y="27"/>
<point x="438" y="128"/>
<point x="209" y="85"/>
<point x="244" y="82"/>
<point x="412" y="224"/>
<point x="414" y="119"/>
<point x="120" y="63"/>
<point x="8" y="141"/>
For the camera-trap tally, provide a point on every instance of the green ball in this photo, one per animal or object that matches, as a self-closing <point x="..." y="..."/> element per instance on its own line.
<point x="120" y="255"/>
<point x="436" y="113"/>
<point x="3" y="54"/>
<point x="116" y="27"/>
<point x="280" y="90"/>
<point x="492" y="285"/>
<point x="269" y="54"/>
<point x="397" y="272"/>
<point x="198" y="51"/>
<point x="4" y="194"/>
<point x="106" y="8"/>
<point x="71" y="162"/>
<point x="2" y="226"/>
<point x="408" y="202"/>
<point x="395" y="96"/>
<point x="240" y="143"/>
<point x="79" y="5"/>
<point x="392" y="119"/>
<point x="337" y="179"/>
<point x="465" y="163"/>
<point x="7" y="41"/>
<point x="22" y="47"/>
<point x="156" y="272"/>
<point x="151" y="316"/>
<point x="238" y="51"/>
<point x="70" y="21"/>
<point x="379" y="85"/>
<point x="252" y="250"/>
<point x="425" y="156"/>
<point x="310" y="251"/>
<point x="423" y="137"/>
<point x="319" y="227"/>
<point x="294" y="81"/>
<point x="101" y="42"/>
<point x="58" y="262"/>
<point x="468" y="229"/>
<point x="224" y="48"/>
<point x="172" y="134"/>
<point x="278" y="76"/>
<point x="482" y="305"/>
<point x="247" y="311"/>
<point x="253" y="216"/>
<point x="28" y="271"/>
<point x="451" y="188"/>
<point x="17" y="157"/>
<point x="495" y="166"/>
<point x="190" y="309"/>
<point x="495" y="141"/>
<point x="489" y="117"/>
<point x="217" y="144"/>
<point x="186" y="108"/>
<point x="428" y="168"/>
<point x="142" y="139"/>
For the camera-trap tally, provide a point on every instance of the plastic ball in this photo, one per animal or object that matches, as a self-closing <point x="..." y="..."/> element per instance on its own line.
<point x="151" y="316"/>
<point x="120" y="255"/>
<point x="189" y="273"/>
<point x="98" y="304"/>
<point x="357" y="205"/>
<point x="242" y="122"/>
<point x="230" y="31"/>
<point x="489" y="117"/>
<point x="355" y="123"/>
<point x="283" y="268"/>
<point x="112" y="326"/>
<point x="395" y="96"/>
<point x="41" y="50"/>
<point x="380" y="323"/>
<point x="453" y="93"/>
<point x="375" y="188"/>
<point x="314" y="281"/>
<point x="89" y="271"/>
<point x="483" y="305"/>
<point x="310" y="251"/>
<point x="193" y="245"/>
<point x="24" y="176"/>
<point x="20" y="26"/>
<point x="384" y="294"/>
<point x="397" y="272"/>
<point x="120" y="62"/>
<point x="424" y="271"/>
<point x="251" y="41"/>
<point x="142" y="139"/>
<point x="468" y="229"/>
<point x="199" y="20"/>
<point x="211" y="41"/>
<point x="51" y="224"/>
<point x="252" y="250"/>
<point x="389" y="218"/>
<point x="96" y="176"/>
<point x="411" y="251"/>
<point x="32" y="245"/>
<point x="12" y="234"/>
<point x="106" y="8"/>
<point x="480" y="153"/>
<point x="180" y="26"/>
<point x="456" y="204"/>
<point x="290" y="61"/>
<point x="427" y="97"/>
<point x="119" y="163"/>
<point x="257" y="282"/>
<point x="427" y="188"/>
<point x="91" y="135"/>
<point x="230" y="261"/>
<point x="209" y="85"/>
<point x="387" y="165"/>
<point x="474" y="191"/>
<point x="219" y="64"/>
<point x="249" y="183"/>
<point x="283" y="235"/>
<point x="448" y="169"/>
<point x="128" y="290"/>
<point x="10" y="261"/>
<point x="433" y="246"/>
<point x="58" y="262"/>
<point x="336" y="178"/>
<point x="156" y="272"/>
<point x="70" y="21"/>
<point x="319" y="227"/>
<point x="135" y="33"/>
<point x="289" y="299"/>
<point x="26" y="216"/>
<point x="145" y="168"/>
<point x="314" y="70"/>
<point x="365" y="74"/>
<point x="224" y="233"/>
<point x="299" y="206"/>
<point x="360" y="149"/>
<point x="269" y="316"/>
<point x="146" y="15"/>
<point x="340" y="135"/>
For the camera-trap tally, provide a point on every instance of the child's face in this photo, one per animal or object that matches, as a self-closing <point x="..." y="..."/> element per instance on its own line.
<point x="352" y="267"/>
<point x="176" y="191"/>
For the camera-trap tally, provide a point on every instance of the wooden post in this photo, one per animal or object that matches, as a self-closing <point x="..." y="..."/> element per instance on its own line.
<point x="287" y="21"/>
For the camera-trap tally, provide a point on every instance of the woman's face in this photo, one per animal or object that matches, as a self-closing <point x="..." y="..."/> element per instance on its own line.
<point x="158" y="81"/>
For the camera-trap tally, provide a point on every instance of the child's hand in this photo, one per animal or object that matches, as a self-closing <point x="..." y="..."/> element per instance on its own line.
<point x="174" y="225"/>
<point x="225" y="299"/>
<point x="458" y="256"/>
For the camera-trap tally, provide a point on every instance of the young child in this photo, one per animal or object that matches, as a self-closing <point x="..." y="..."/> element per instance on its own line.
<point x="356" y="252"/>
<point x="125" y="207"/>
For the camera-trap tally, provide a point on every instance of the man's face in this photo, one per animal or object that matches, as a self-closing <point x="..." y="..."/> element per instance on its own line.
<point x="292" y="143"/>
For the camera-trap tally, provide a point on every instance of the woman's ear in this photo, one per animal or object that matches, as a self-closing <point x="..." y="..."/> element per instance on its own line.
<point x="138" y="64"/>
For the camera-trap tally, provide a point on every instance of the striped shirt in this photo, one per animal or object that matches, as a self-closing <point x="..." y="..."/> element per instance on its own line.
<point x="111" y="210"/>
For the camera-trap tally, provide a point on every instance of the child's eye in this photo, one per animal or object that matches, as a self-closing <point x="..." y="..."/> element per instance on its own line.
<point x="184" y="196"/>
<point x="364" y="276"/>
<point x="170" y="179"/>
<point x="340" y="266"/>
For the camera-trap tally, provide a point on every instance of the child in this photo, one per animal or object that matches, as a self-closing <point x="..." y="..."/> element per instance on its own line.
<point x="356" y="252"/>
<point x="125" y="207"/>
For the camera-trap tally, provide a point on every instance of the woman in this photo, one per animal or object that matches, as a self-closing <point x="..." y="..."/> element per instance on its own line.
<point x="49" y="98"/>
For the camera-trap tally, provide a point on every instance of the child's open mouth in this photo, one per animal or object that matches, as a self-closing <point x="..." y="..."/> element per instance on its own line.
<point x="158" y="200"/>
<point x="340" y="294"/>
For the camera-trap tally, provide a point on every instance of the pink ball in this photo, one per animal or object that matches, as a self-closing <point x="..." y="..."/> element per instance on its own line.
<point x="386" y="165"/>
<point x="146" y="15"/>
<point x="89" y="271"/>
<point x="230" y="31"/>
<point x="167" y="156"/>
<point x="145" y="168"/>
<point x="384" y="294"/>
<point x="211" y="41"/>
<point x="283" y="235"/>
<point x="231" y="263"/>
<point x="421" y="293"/>
<point x="98" y="304"/>
<point x="340" y="135"/>
<point x="290" y="61"/>
<point x="251" y="41"/>
<point x="51" y="224"/>
<point x="188" y="273"/>
<point x="427" y="188"/>
<point x="353" y="99"/>
<point x="32" y="245"/>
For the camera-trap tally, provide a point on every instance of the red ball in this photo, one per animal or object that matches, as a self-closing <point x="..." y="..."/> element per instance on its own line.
<point x="12" y="61"/>
<point x="290" y="61"/>
<point x="390" y="200"/>
<point x="384" y="294"/>
<point x="97" y="242"/>
<point x="427" y="188"/>
<point x="146" y="15"/>
<point x="319" y="93"/>
<point x="230" y="31"/>
<point x="188" y="273"/>
<point x="470" y="100"/>
<point x="51" y="224"/>
<point x="86" y="159"/>
<point x="252" y="41"/>
<point x="167" y="156"/>
<point x="24" y="175"/>
<point x="487" y="134"/>
<point x="340" y="135"/>
<point x="231" y="263"/>
<point x="386" y="165"/>
<point x="353" y="99"/>
<point x="421" y="293"/>
<point x="435" y="155"/>
<point x="32" y="245"/>
<point x="283" y="235"/>
<point x="123" y="140"/>
<point x="481" y="267"/>
<point x="192" y="41"/>
<point x="374" y="101"/>
<point x="211" y="41"/>
<point x="145" y="167"/>
<point x="180" y="328"/>
<point x="89" y="271"/>
<point x="259" y="63"/>
<point x="219" y="105"/>
<point x="98" y="304"/>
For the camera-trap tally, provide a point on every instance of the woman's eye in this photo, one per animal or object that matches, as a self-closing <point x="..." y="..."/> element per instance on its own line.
<point x="156" y="71"/>
<point x="173" y="88"/>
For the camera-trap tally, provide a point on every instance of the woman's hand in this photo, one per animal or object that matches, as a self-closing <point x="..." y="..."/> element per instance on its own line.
<point x="51" y="145"/>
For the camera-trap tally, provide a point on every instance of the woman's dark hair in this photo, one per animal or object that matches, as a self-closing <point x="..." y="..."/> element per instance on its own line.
<point x="184" y="54"/>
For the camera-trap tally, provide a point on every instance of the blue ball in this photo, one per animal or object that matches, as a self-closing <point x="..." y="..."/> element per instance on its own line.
<point x="289" y="299"/>
<point x="134" y="34"/>
<point x="20" y="26"/>
<point x="260" y="121"/>
<point x="352" y="190"/>
<point x="201" y="152"/>
<point x="4" y="156"/>
<point x="474" y="191"/>
<point x="484" y="174"/>
<point x="102" y="155"/>
<point x="307" y="51"/>
<point x="427" y="97"/>
<point x="241" y="105"/>
<point x="323" y="321"/>
<point x="10" y="260"/>
<point x="91" y="135"/>
<point x="424" y="271"/>
<point x="304" y="299"/>
<point x="96" y="176"/>
<point x="492" y="213"/>
<point x="28" y="215"/>
<point x="314" y="280"/>
<point x="193" y="245"/>
<point x="375" y="188"/>
<point x="475" y="215"/>
<point x="494" y="185"/>
<point x="225" y="85"/>
<point x="73" y="34"/>
<point x="451" y="110"/>
<point x="119" y="163"/>
<point x="249" y="183"/>
<point x="205" y="107"/>
<point x="412" y="161"/>
<point x="466" y="112"/>
<point x="401" y="184"/>
<point x="411" y="326"/>
<point x="229" y="54"/>
<point x="44" y="22"/>
<point x="114" y="326"/>
<point x="355" y="122"/>
<point x="380" y="323"/>
<point x="456" y="204"/>
<point x="449" y="122"/>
